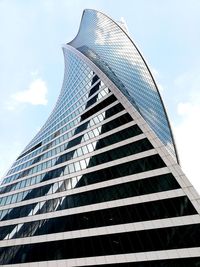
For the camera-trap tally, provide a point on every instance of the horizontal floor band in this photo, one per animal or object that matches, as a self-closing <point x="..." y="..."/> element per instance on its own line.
<point x="98" y="206"/>
<point x="76" y="190"/>
<point x="120" y="228"/>
<point x="91" y="154"/>
<point x="92" y="128"/>
<point x="115" y="259"/>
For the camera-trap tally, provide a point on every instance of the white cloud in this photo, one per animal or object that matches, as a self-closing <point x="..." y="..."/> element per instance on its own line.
<point x="187" y="133"/>
<point x="35" y="95"/>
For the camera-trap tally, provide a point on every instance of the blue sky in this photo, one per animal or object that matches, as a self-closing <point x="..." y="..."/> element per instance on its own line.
<point x="31" y="64"/>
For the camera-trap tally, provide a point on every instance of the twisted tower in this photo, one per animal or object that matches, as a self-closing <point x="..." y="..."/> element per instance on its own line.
<point x="100" y="184"/>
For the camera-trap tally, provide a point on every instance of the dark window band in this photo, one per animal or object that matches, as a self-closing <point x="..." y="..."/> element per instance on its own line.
<point x="108" y="113"/>
<point x="76" y="141"/>
<point x="160" y="209"/>
<point x="101" y="143"/>
<point x="113" y="244"/>
<point x="120" y="191"/>
<point x="116" y="137"/>
<point x="98" y="107"/>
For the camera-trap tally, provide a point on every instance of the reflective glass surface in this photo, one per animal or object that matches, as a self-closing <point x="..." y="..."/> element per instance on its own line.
<point x="112" y="244"/>
<point x="109" y="47"/>
<point x="165" y="208"/>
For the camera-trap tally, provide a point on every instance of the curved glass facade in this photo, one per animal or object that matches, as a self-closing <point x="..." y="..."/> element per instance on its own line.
<point x="108" y="46"/>
<point x="96" y="186"/>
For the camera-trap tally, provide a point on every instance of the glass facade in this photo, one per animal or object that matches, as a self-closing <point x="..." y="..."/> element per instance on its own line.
<point x="96" y="186"/>
<point x="109" y="47"/>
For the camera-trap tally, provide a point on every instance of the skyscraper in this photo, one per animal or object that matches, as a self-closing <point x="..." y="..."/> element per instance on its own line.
<point x="100" y="184"/>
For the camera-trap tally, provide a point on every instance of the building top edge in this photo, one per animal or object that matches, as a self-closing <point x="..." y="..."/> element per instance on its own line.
<point x="94" y="25"/>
